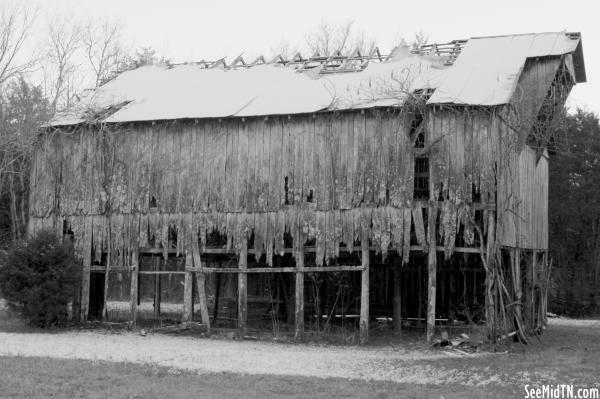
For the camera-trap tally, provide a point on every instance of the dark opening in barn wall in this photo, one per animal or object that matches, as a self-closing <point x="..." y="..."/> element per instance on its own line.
<point x="96" y="296"/>
<point x="421" y="162"/>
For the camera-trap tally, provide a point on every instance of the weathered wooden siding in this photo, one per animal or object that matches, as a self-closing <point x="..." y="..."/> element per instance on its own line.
<point x="330" y="176"/>
<point x="463" y="168"/>
<point x="523" y="181"/>
<point x="524" y="200"/>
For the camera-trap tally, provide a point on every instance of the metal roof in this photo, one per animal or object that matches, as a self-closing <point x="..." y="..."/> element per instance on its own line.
<point x="480" y="71"/>
<point x="487" y="70"/>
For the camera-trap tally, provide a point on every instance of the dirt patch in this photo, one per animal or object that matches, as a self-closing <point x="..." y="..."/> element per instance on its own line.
<point x="216" y="355"/>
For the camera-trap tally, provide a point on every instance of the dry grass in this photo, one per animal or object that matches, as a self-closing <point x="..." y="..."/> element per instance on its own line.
<point x="567" y="353"/>
<point x="53" y="378"/>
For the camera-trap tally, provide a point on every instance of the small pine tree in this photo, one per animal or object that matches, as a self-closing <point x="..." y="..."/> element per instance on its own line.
<point x="38" y="279"/>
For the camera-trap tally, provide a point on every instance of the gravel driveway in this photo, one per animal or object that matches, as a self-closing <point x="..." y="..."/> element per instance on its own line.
<point x="202" y="355"/>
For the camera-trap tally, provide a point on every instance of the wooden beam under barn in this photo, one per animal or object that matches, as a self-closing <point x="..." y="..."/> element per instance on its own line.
<point x="188" y="290"/>
<point x="243" y="289"/>
<point x="134" y="287"/>
<point x="364" y="292"/>
<point x="200" y="282"/>
<point x="299" y="295"/>
<point x="85" y="277"/>
<point x="431" y="273"/>
<point x="397" y="298"/>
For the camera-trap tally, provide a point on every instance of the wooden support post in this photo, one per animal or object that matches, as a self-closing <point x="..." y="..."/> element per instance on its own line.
<point x="490" y="313"/>
<point x="106" y="283"/>
<point x="200" y="283"/>
<point x="243" y="289"/>
<point x="531" y="302"/>
<point x="420" y="289"/>
<point x="299" y="297"/>
<point x="431" y="273"/>
<point x="397" y="299"/>
<point x="546" y="286"/>
<point x="157" y="286"/>
<point x="134" y="289"/>
<point x="85" y="277"/>
<point x="364" y="292"/>
<point x="188" y="291"/>
<point x="518" y="286"/>
<point x="217" y="295"/>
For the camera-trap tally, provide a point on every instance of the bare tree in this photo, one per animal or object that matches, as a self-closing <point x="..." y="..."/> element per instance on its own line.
<point x="328" y="39"/>
<point x="60" y="73"/>
<point x="103" y="49"/>
<point x="15" y="26"/>
<point x="284" y="49"/>
<point x="419" y="39"/>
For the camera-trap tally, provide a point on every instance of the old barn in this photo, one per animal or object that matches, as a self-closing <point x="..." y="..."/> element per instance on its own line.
<point x="313" y="192"/>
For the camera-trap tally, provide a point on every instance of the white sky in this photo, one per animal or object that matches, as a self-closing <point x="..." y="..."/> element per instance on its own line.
<point x="186" y="30"/>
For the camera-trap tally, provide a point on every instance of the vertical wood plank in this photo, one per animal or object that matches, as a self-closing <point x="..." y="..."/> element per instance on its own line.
<point x="299" y="132"/>
<point x="516" y="258"/>
<point x="202" y="131"/>
<point x="318" y="160"/>
<point x="431" y="273"/>
<point x="327" y="160"/>
<point x="264" y="181"/>
<point x="219" y="167"/>
<point x="252" y="160"/>
<point x="338" y="172"/>
<point x="489" y="276"/>
<point x="107" y="279"/>
<point x="243" y="182"/>
<point x="358" y="183"/>
<point x="275" y="179"/>
<point x="230" y="174"/>
<point x="243" y="288"/>
<point x="188" y="292"/>
<point x="308" y="167"/>
<point x="364" y="291"/>
<point x="157" y="286"/>
<point x="200" y="281"/>
<point x="531" y="300"/>
<point x="371" y="158"/>
<point x="209" y="161"/>
<point x="350" y="163"/>
<point x="289" y="137"/>
<point x="134" y="288"/>
<point x="299" y="296"/>
<point x="397" y="298"/>
<point x="87" y="264"/>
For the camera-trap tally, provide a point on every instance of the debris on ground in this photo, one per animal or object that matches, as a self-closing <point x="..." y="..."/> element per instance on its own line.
<point x="462" y="344"/>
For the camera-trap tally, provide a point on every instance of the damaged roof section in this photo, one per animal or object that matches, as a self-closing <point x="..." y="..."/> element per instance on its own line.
<point x="479" y="71"/>
<point x="487" y="70"/>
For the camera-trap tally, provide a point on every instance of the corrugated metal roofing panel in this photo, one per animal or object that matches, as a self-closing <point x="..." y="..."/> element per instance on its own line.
<point x="487" y="70"/>
<point x="189" y="91"/>
<point x="485" y="73"/>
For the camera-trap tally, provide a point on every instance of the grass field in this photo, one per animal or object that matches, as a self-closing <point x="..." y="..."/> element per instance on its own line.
<point x="567" y="353"/>
<point x="53" y="378"/>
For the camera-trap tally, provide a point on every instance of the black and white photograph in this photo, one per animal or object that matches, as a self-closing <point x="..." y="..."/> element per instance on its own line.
<point x="299" y="199"/>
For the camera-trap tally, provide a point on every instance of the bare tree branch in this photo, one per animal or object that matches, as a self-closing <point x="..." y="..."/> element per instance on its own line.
<point x="15" y="25"/>
<point x="102" y="48"/>
<point x="329" y="39"/>
<point x="64" y="41"/>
